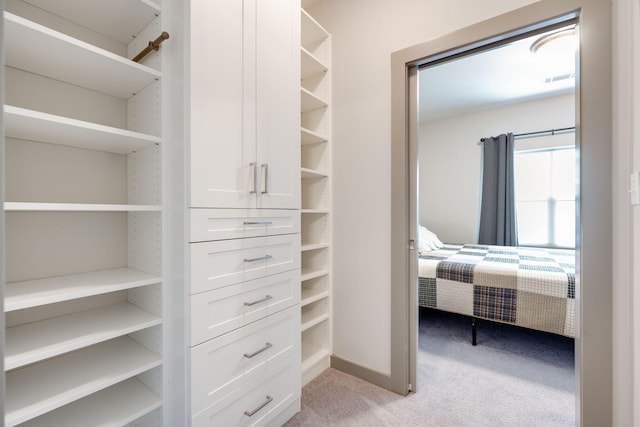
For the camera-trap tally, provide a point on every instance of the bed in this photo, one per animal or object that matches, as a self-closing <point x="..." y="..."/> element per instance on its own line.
<point x="529" y="287"/>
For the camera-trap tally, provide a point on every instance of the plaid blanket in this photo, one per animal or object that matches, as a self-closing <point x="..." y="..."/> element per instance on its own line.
<point x="530" y="287"/>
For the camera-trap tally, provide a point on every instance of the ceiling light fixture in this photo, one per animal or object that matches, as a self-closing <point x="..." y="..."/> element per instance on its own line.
<point x="550" y="38"/>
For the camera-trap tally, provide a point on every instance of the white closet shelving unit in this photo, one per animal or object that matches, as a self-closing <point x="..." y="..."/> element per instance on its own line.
<point x="315" y="138"/>
<point x="83" y="208"/>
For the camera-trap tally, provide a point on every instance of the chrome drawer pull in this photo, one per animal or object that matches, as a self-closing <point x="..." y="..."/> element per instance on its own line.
<point x="266" y="347"/>
<point x="262" y="258"/>
<point x="262" y="405"/>
<point x="254" y="166"/>
<point x="266" y="298"/>
<point x="258" y="222"/>
<point x="265" y="166"/>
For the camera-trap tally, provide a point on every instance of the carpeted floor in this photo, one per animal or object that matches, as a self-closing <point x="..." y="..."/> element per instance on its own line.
<point x="514" y="377"/>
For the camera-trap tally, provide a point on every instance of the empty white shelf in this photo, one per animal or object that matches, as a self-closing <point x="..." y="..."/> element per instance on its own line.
<point x="311" y="173"/>
<point x="309" y="296"/>
<point x="314" y="211"/>
<point x="70" y="60"/>
<point x="310" y="273"/>
<point x="36" y="341"/>
<point x="310" y="65"/>
<point x="32" y="293"/>
<point x="32" y="125"/>
<point x="312" y="355"/>
<point x="309" y="137"/>
<point x="119" y="20"/>
<point x="313" y="32"/>
<point x="313" y="246"/>
<point x="312" y="319"/>
<point x="43" y="387"/>
<point x="78" y="207"/>
<point x="310" y="102"/>
<point x="117" y="405"/>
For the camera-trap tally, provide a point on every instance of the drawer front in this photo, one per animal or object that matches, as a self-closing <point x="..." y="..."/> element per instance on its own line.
<point x="228" y="262"/>
<point x="223" y="224"/>
<point x="223" y="365"/>
<point x="216" y="312"/>
<point x="259" y="402"/>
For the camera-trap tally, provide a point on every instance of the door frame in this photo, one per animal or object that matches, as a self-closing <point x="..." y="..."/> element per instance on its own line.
<point x="594" y="213"/>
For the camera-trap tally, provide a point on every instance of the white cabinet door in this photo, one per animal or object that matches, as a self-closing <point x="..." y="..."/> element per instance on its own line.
<point x="221" y="153"/>
<point x="244" y="104"/>
<point x="278" y="103"/>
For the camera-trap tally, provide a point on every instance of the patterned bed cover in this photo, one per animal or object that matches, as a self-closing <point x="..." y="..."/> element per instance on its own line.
<point x="529" y="287"/>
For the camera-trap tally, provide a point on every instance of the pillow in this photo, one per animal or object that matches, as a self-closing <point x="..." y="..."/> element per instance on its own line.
<point x="427" y="240"/>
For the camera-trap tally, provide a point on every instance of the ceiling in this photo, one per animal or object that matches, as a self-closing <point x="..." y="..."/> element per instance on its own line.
<point x="508" y="74"/>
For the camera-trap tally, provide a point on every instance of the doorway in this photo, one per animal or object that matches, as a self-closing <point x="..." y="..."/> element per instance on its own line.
<point x="461" y="103"/>
<point x="593" y="130"/>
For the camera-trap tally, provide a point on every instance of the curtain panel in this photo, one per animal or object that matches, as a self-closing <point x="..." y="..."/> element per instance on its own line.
<point x="498" y="224"/>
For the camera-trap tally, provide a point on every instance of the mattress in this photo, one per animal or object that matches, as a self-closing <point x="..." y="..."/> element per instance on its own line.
<point x="529" y="287"/>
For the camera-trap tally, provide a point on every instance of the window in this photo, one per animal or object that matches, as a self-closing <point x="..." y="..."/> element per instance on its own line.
<point x="545" y="186"/>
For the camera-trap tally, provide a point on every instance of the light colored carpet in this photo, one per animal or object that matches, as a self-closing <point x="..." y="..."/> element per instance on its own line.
<point x="514" y="377"/>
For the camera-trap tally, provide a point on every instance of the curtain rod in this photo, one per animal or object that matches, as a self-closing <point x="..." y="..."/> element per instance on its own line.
<point x="551" y="132"/>
<point x="541" y="132"/>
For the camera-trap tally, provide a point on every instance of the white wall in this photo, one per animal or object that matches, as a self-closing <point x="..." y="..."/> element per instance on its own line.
<point x="450" y="160"/>
<point x="365" y="33"/>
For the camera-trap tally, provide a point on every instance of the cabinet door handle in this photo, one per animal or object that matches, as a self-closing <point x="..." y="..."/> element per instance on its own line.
<point x="262" y="258"/>
<point x="258" y="301"/>
<point x="265" y="166"/>
<point x="254" y="167"/>
<point x="266" y="347"/>
<point x="258" y="222"/>
<point x="262" y="405"/>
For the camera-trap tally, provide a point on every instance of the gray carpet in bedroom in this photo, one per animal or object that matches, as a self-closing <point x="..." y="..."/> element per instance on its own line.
<point x="514" y="377"/>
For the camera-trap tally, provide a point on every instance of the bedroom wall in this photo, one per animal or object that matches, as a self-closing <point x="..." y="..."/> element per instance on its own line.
<point x="364" y="34"/>
<point x="450" y="159"/>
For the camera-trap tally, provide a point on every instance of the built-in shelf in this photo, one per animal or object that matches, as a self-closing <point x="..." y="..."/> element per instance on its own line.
<point x="36" y="341"/>
<point x="78" y="207"/>
<point x="311" y="273"/>
<point x="313" y="246"/>
<point x="314" y="211"/>
<point x="45" y="386"/>
<point x="312" y="355"/>
<point x="310" y="65"/>
<point x="313" y="32"/>
<point x="117" y="405"/>
<point x="312" y="320"/>
<point x="32" y="125"/>
<point x="33" y="293"/>
<point x="308" y="137"/>
<point x="310" y="173"/>
<point x="311" y="296"/>
<point x="119" y="20"/>
<point x="315" y="173"/>
<point x="310" y="102"/>
<point x="70" y="60"/>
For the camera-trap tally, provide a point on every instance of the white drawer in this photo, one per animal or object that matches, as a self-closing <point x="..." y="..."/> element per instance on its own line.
<point x="227" y="262"/>
<point x="260" y="402"/>
<point x="223" y="224"/>
<point x="225" y="364"/>
<point x="216" y="312"/>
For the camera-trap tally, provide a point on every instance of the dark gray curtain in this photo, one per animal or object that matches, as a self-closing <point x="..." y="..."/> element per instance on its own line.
<point x="498" y="207"/>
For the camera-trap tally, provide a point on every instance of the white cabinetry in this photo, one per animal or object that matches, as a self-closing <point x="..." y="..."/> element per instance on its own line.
<point x="83" y="299"/>
<point x="315" y="137"/>
<point x="243" y="119"/>
<point x="243" y="57"/>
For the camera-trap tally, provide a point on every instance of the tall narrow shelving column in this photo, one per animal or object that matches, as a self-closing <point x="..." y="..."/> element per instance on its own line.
<point x="315" y="137"/>
<point x="84" y="212"/>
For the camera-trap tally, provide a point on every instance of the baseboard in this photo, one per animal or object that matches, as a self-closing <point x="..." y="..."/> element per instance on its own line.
<point x="369" y="375"/>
